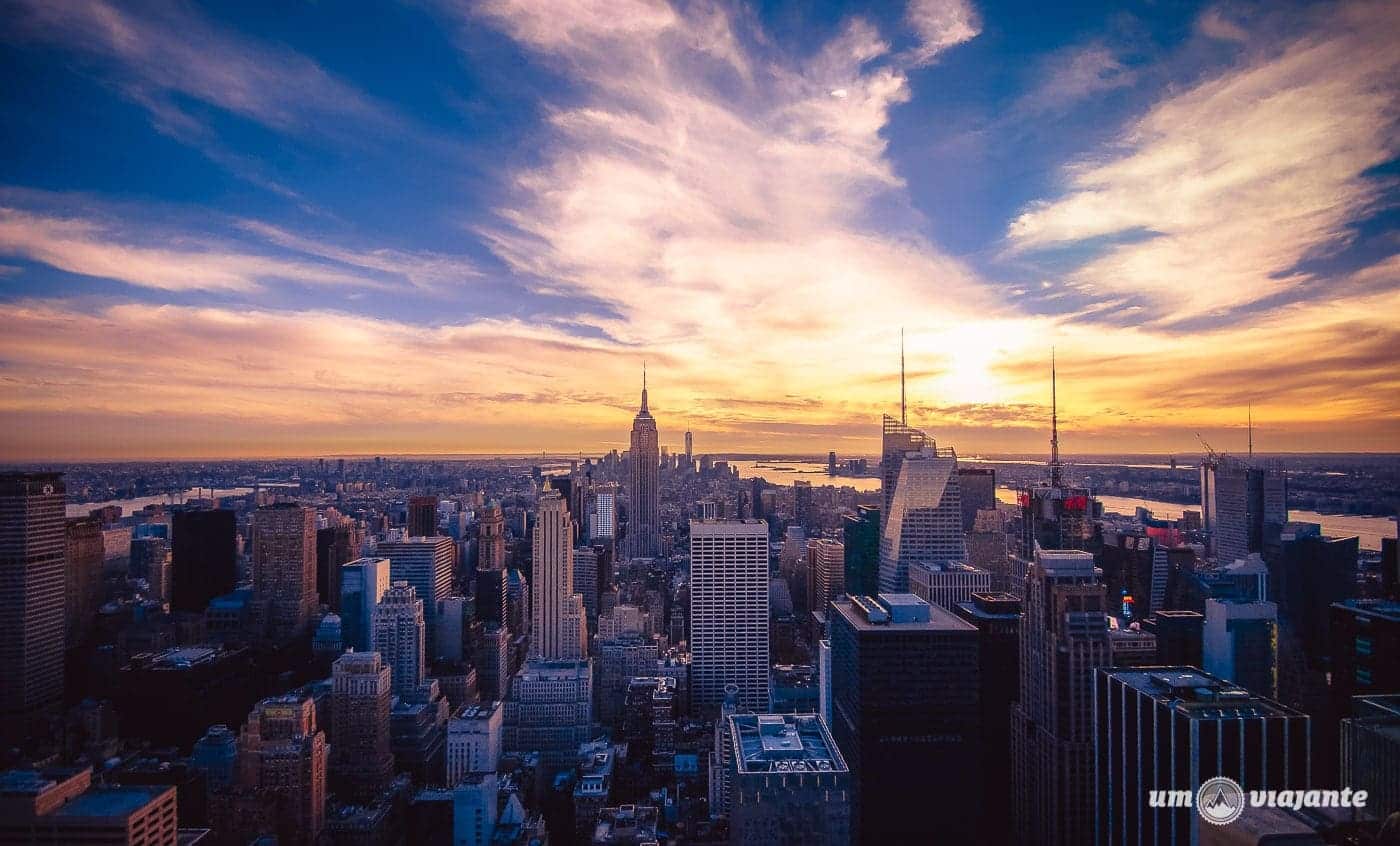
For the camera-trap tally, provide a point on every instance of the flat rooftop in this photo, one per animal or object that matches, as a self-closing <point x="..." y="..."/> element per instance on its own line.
<point x="111" y="802"/>
<point x="1199" y="694"/>
<point x="898" y="612"/>
<point x="765" y="743"/>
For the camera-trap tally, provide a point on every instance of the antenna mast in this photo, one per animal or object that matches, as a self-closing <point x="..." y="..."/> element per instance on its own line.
<point x="903" y="415"/>
<point x="1054" y="426"/>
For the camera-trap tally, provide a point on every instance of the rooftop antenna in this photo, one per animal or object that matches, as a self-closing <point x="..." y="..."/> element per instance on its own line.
<point x="1249" y="412"/>
<point x="903" y="414"/>
<point x="1054" y="426"/>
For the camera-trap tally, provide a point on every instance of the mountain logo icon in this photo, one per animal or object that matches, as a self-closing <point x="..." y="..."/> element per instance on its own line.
<point x="1220" y="801"/>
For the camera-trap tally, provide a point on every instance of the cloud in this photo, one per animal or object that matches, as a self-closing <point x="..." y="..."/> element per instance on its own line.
<point x="1071" y="75"/>
<point x="161" y="52"/>
<point x="940" y="24"/>
<point x="149" y="254"/>
<point x="1237" y="179"/>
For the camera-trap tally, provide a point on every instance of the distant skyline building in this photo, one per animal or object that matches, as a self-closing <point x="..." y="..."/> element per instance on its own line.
<point x="361" y="760"/>
<point x="946" y="585"/>
<point x="905" y="687"/>
<point x="558" y="626"/>
<point x="422" y="516"/>
<point x="729" y="614"/>
<point x="978" y="488"/>
<point x="1064" y="639"/>
<point x="203" y="557"/>
<point x="84" y="553"/>
<point x="643" y="493"/>
<point x="1251" y="507"/>
<point x="897" y="439"/>
<point x="603" y="519"/>
<point x="32" y="576"/>
<point x="399" y="627"/>
<point x="491" y="537"/>
<point x="1055" y="514"/>
<point x="284" y="567"/>
<point x="426" y="563"/>
<point x="924" y="523"/>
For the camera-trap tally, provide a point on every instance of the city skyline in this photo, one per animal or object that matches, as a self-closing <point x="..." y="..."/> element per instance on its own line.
<point x="473" y="243"/>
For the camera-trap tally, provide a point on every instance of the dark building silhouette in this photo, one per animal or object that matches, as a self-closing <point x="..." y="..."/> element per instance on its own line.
<point x="202" y="558"/>
<point x="979" y="493"/>
<point x="1180" y="636"/>
<point x="997" y="617"/>
<point x="862" y="550"/>
<point x="905" y="693"/>
<point x="335" y="547"/>
<point x="422" y="516"/>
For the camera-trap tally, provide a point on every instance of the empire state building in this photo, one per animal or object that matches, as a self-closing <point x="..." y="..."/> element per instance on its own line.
<point x="642" y="491"/>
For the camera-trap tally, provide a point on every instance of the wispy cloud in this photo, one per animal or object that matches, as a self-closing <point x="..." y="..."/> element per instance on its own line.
<point x="941" y="24"/>
<point x="1239" y="178"/>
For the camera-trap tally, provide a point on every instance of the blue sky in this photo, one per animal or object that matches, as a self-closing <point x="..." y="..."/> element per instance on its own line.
<point x="253" y="228"/>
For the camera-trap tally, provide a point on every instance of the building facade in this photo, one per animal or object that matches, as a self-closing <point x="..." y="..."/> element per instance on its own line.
<point x="729" y="616"/>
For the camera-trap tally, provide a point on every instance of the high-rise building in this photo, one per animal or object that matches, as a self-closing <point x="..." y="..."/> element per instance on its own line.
<point x="978" y="489"/>
<point x="897" y="440"/>
<point x="422" y="516"/>
<point x="603" y="519"/>
<point x="335" y="547"/>
<point x="32" y="576"/>
<point x="1251" y="508"/>
<point x="454" y="615"/>
<point x="84" y="552"/>
<point x="1307" y="574"/>
<point x="987" y="550"/>
<point x="997" y="617"/>
<point x="474" y="740"/>
<point x="558" y="624"/>
<point x="216" y="755"/>
<point x="947" y="584"/>
<point x="399" y="636"/>
<point x="1163" y="729"/>
<point x="1240" y="644"/>
<point x="1180" y="637"/>
<point x="861" y="536"/>
<point x="620" y="658"/>
<point x="203" y="557"/>
<point x="924" y="523"/>
<point x="61" y="806"/>
<point x="905" y="686"/>
<point x="491" y="537"/>
<point x="362" y="583"/>
<point x="803" y="512"/>
<point x="475" y="810"/>
<point x="644" y="458"/>
<point x="827" y="579"/>
<point x="1371" y="752"/>
<point x="284" y="567"/>
<point x="550" y="710"/>
<point x="1365" y="650"/>
<point x="790" y="786"/>
<point x="1054" y="514"/>
<point x="728" y="612"/>
<point x="1064" y="639"/>
<point x="586" y="579"/>
<point x="361" y="761"/>
<point x="282" y="755"/>
<point x="425" y="563"/>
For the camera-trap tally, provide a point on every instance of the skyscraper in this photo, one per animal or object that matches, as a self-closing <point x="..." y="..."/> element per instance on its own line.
<point x="603" y="519"/>
<point x="1240" y="644"/>
<point x="31" y="599"/>
<point x="361" y="761"/>
<point x="946" y="585"/>
<point x="978" y="488"/>
<point x="924" y="523"/>
<point x="1161" y="729"/>
<point x="802" y="512"/>
<point x="790" y="786"/>
<point x="422" y="516"/>
<point x="284" y="567"/>
<point x="491" y="538"/>
<point x="1064" y="638"/>
<point x="283" y="754"/>
<point x="335" y="547"/>
<point x="897" y="439"/>
<point x="729" y="612"/>
<point x="1251" y="508"/>
<point x="827" y="580"/>
<point x="550" y="710"/>
<point x="362" y="582"/>
<point x="861" y="535"/>
<point x="202" y="557"/>
<point x="997" y="617"/>
<point x="398" y="636"/>
<point x="689" y="454"/>
<point x="905" y="685"/>
<point x="1054" y="513"/>
<point x="558" y="624"/>
<point x="84" y="550"/>
<point x="425" y="563"/>
<point x="642" y="491"/>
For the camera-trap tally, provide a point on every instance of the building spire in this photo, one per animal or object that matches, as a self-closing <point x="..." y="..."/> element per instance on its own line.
<point x="644" y="387"/>
<point x="1054" y="426"/>
<point x="903" y="415"/>
<point x="1249" y="418"/>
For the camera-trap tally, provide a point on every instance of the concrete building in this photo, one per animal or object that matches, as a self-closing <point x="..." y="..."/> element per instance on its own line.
<point x="905" y="688"/>
<point x="32" y="577"/>
<point x="1215" y="728"/>
<point x="284" y="567"/>
<point x="729" y="638"/>
<point x="425" y="563"/>
<point x="1064" y="639"/>
<point x="399" y="636"/>
<point x="558" y="623"/>
<point x="550" y="710"/>
<point x="61" y="807"/>
<point x="362" y="583"/>
<point x="361" y="760"/>
<point x="474" y="736"/>
<point x="827" y="577"/>
<point x="790" y="785"/>
<point x="603" y="518"/>
<point x="947" y="584"/>
<point x="282" y="756"/>
<point x="491" y="538"/>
